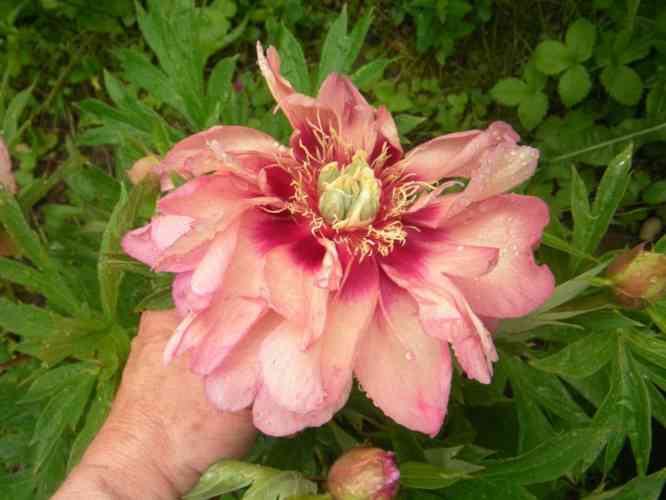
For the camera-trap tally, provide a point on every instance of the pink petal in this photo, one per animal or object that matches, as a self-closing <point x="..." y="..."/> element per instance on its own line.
<point x="165" y="230"/>
<point x="445" y="314"/>
<point x="184" y="298"/>
<point x="514" y="224"/>
<point x="230" y="319"/>
<point x="208" y="276"/>
<point x="293" y="286"/>
<point x="454" y="155"/>
<point x="6" y="177"/>
<point x="207" y="151"/>
<point x="275" y="420"/>
<point x="139" y="244"/>
<point x="234" y="384"/>
<point x="404" y="371"/>
<point x="290" y="373"/>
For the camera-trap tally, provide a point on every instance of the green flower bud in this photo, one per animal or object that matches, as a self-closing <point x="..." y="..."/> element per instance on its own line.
<point x="349" y="198"/>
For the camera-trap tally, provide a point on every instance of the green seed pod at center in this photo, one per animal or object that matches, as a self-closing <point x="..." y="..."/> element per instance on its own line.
<point x="349" y="198"/>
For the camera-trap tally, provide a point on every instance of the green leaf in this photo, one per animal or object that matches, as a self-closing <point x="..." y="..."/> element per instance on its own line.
<point x="580" y="39"/>
<point x="294" y="67"/>
<point x="510" y="91"/>
<point x="121" y="221"/>
<point x="550" y="460"/>
<point x="336" y="48"/>
<point x="532" y="110"/>
<point x="626" y="411"/>
<point x="56" y="380"/>
<point x="280" y="486"/>
<point x="574" y="85"/>
<point x="24" y="237"/>
<point x="357" y="38"/>
<point x="426" y="476"/>
<point x="580" y="211"/>
<point x="63" y="412"/>
<point x="482" y="489"/>
<point x="54" y="289"/>
<point x="12" y="116"/>
<point x="655" y="193"/>
<point x="370" y="73"/>
<point x="99" y="409"/>
<point x="225" y="477"/>
<point x="639" y="488"/>
<point x="406" y="122"/>
<point x="580" y="359"/>
<point x="553" y="57"/>
<point x="623" y="84"/>
<point x="220" y="81"/>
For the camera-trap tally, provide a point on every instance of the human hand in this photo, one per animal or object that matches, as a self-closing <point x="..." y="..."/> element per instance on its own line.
<point x="161" y="433"/>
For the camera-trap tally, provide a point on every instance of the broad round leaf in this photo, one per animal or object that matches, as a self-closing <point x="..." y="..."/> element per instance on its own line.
<point x="509" y="92"/>
<point x="532" y="110"/>
<point x="553" y="57"/>
<point x="623" y="84"/>
<point x="574" y="86"/>
<point x="580" y="38"/>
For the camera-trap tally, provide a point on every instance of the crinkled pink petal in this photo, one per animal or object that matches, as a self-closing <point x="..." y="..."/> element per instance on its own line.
<point x="207" y="151"/>
<point x="290" y="373"/>
<point x="445" y="314"/>
<point x="184" y="298"/>
<point x="513" y="224"/>
<point x="165" y="230"/>
<point x="293" y="285"/>
<point x="209" y="274"/>
<point x="275" y="420"/>
<point x="6" y="177"/>
<point x="455" y="155"/>
<point x="139" y="244"/>
<point x="234" y="383"/>
<point x="234" y="317"/>
<point x="405" y="372"/>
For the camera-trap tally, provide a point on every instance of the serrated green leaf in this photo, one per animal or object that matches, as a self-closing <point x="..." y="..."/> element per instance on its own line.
<point x="550" y="460"/>
<point x="532" y="110"/>
<point x="63" y="412"/>
<point x="335" y="49"/>
<point x="580" y="38"/>
<point x="280" y="486"/>
<point x="574" y="85"/>
<point x="12" y="116"/>
<point x="370" y="73"/>
<point x="294" y="67"/>
<point x="426" y="476"/>
<point x="639" y="488"/>
<point x="580" y="359"/>
<point x="25" y="238"/>
<point x="553" y="57"/>
<point x="626" y="411"/>
<point x="623" y="84"/>
<point x="121" y="221"/>
<point x="99" y="409"/>
<point x="510" y="91"/>
<point x="56" y="380"/>
<point x="357" y="38"/>
<point x="482" y="489"/>
<point x="225" y="477"/>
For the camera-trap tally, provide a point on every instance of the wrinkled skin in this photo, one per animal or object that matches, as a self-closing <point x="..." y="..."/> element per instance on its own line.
<point x="281" y="309"/>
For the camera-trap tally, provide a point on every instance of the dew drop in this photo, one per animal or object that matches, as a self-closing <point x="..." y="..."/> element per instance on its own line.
<point x="409" y="355"/>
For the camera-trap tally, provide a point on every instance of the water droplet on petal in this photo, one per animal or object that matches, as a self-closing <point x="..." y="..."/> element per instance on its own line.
<point x="409" y="355"/>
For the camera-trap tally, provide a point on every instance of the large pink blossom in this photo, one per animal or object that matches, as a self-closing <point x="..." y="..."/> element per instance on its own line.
<point x="298" y="268"/>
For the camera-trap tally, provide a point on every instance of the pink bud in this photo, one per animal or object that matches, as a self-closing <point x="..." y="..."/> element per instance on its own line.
<point x="364" y="474"/>
<point x="142" y="168"/>
<point x="638" y="277"/>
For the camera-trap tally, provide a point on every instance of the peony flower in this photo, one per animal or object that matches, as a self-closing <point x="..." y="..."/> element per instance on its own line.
<point x="6" y="177"/>
<point x="300" y="267"/>
<point x="364" y="474"/>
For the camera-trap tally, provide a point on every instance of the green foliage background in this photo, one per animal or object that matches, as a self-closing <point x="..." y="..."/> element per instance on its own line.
<point x="577" y="402"/>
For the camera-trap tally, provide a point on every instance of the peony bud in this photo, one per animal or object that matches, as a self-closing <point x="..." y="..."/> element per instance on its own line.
<point x="142" y="168"/>
<point x="638" y="277"/>
<point x="364" y="474"/>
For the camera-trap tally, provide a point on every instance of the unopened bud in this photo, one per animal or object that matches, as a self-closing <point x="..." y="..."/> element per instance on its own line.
<point x="651" y="229"/>
<point x="141" y="168"/>
<point x="364" y="474"/>
<point x="638" y="277"/>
